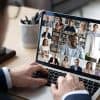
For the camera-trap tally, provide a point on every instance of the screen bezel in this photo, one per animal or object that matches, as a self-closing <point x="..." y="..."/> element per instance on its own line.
<point x="56" y="66"/>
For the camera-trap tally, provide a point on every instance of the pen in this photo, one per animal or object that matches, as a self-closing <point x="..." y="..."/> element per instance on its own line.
<point x="22" y="21"/>
<point x="36" y="18"/>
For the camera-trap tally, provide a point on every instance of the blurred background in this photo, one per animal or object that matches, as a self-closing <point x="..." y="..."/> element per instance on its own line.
<point x="83" y="8"/>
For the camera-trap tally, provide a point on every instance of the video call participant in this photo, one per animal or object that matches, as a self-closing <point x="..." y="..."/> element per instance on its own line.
<point x="95" y="29"/>
<point x="88" y="68"/>
<point x="90" y="41"/>
<point x="53" y="60"/>
<point x="59" y="25"/>
<point x="97" y="71"/>
<point x="21" y="77"/>
<point x="72" y="49"/>
<point x="65" y="62"/>
<point x="46" y="34"/>
<point x="45" y="49"/>
<point x="47" y="21"/>
<point x="70" y="26"/>
<point x="54" y="44"/>
<point x="82" y="30"/>
<point x="76" y="66"/>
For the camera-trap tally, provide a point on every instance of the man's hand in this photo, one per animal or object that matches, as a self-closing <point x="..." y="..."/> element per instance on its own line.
<point x="22" y="76"/>
<point x="65" y="85"/>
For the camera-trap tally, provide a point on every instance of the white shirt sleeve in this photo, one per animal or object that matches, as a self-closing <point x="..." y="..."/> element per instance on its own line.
<point x="8" y="77"/>
<point x="75" y="92"/>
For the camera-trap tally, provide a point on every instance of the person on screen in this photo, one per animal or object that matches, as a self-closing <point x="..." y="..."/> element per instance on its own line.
<point x="53" y="60"/>
<point x="65" y="62"/>
<point x="46" y="34"/>
<point x="70" y="26"/>
<point x="54" y="44"/>
<point x="44" y="50"/>
<point x="82" y="30"/>
<point x="95" y="29"/>
<point x="72" y="49"/>
<point x="59" y="25"/>
<point x="89" y="68"/>
<point x="90" y="41"/>
<point x="97" y="71"/>
<point x="47" y="21"/>
<point x="76" y="66"/>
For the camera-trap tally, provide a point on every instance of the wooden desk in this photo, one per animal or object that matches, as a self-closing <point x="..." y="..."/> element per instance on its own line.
<point x="13" y="40"/>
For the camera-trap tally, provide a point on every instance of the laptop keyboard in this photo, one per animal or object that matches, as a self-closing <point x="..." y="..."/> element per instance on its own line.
<point x="53" y="75"/>
<point x="91" y="86"/>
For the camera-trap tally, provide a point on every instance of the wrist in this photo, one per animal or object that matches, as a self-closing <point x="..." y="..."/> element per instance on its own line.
<point x="13" y="78"/>
<point x="8" y="77"/>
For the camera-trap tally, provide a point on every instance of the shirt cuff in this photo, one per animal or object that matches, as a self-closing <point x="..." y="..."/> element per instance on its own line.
<point x="8" y="77"/>
<point x="75" y="92"/>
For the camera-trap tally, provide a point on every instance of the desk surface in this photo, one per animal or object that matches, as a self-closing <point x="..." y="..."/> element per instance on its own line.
<point x="13" y="41"/>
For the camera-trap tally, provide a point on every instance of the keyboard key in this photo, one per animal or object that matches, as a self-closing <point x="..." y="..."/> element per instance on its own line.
<point x="52" y="76"/>
<point x="91" y="86"/>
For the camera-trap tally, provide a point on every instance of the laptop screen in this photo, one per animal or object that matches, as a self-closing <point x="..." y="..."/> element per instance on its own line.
<point x="70" y="43"/>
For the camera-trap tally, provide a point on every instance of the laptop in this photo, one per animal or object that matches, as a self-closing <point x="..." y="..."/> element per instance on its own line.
<point x="68" y="44"/>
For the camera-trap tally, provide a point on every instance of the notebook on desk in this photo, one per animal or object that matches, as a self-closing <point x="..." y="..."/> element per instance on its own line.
<point x="6" y="54"/>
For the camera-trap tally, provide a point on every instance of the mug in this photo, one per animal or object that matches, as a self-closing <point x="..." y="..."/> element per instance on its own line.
<point x="29" y="34"/>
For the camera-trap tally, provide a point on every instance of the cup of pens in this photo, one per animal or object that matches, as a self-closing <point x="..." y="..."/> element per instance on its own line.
<point x="29" y="32"/>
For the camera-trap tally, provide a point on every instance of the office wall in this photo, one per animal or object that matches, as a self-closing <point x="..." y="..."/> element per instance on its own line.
<point x="92" y="10"/>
